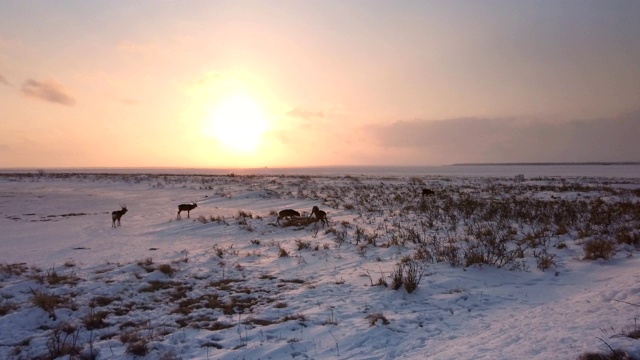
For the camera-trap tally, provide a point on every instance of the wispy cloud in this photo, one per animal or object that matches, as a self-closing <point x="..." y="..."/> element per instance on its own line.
<point x="129" y="101"/>
<point x="514" y="140"/>
<point x="48" y="91"/>
<point x="210" y="77"/>
<point x="305" y="114"/>
<point x="138" y="48"/>
<point x="4" y="81"/>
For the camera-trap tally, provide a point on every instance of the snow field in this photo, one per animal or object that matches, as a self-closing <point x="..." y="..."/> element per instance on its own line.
<point x="216" y="286"/>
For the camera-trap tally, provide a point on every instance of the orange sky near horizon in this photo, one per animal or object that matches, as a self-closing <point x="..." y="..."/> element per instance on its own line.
<point x="288" y="83"/>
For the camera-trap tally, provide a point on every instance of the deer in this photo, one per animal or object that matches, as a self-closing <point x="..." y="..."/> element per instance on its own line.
<point x="428" y="192"/>
<point x="187" y="208"/>
<point x="286" y="213"/>
<point x="320" y="215"/>
<point x="116" y="215"/>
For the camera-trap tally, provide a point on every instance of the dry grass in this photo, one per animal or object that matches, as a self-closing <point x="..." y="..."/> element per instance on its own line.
<point x="101" y="301"/>
<point x="485" y="224"/>
<point x="136" y="344"/>
<point x="282" y="252"/>
<point x="13" y="269"/>
<point x="156" y="285"/>
<point x="167" y="270"/>
<point x="48" y="302"/>
<point x="95" y="320"/>
<point x="7" y="306"/>
<point x="299" y="221"/>
<point x="63" y="341"/>
<point x="52" y="277"/>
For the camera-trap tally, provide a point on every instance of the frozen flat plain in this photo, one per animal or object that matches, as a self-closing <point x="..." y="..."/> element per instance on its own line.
<point x="501" y="265"/>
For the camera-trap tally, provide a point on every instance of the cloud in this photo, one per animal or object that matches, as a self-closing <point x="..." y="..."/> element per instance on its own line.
<point x="48" y="91"/>
<point x="129" y="101"/>
<point x="210" y="77"/>
<point x="514" y="140"/>
<point x="4" y="81"/>
<point x="305" y="114"/>
<point x="138" y="48"/>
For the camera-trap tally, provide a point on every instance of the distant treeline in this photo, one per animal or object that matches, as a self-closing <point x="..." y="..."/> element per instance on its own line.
<point x="549" y="163"/>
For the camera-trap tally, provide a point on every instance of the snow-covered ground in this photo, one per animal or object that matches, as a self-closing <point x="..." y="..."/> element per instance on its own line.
<point x="500" y="267"/>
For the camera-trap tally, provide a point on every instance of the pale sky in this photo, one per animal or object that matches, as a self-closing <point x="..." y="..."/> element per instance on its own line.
<point x="315" y="83"/>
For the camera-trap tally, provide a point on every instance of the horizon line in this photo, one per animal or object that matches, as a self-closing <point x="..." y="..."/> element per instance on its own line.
<point x="38" y="168"/>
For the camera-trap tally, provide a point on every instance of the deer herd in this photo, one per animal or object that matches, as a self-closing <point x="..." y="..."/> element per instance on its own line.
<point x="320" y="215"/>
<point x="287" y="213"/>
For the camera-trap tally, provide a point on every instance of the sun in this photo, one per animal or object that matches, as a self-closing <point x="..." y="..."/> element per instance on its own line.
<point x="238" y="122"/>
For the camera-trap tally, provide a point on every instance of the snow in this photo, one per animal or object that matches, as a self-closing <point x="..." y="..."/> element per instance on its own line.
<point x="230" y="294"/>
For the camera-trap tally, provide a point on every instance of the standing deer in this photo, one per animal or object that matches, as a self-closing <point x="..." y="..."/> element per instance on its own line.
<point x="187" y="208"/>
<point x="116" y="215"/>
<point x="320" y="215"/>
<point x="286" y="213"/>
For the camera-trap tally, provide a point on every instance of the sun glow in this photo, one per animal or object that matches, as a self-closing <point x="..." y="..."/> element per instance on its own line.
<point x="238" y="122"/>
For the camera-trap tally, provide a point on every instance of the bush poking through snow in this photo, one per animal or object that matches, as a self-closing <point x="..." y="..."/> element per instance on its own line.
<point x="408" y="273"/>
<point x="48" y="302"/>
<point x="544" y="260"/>
<point x="147" y="264"/>
<point x="625" y="235"/>
<point x="95" y="320"/>
<point x="412" y="275"/>
<point x="202" y="219"/>
<point x="599" y="248"/>
<point x="136" y="344"/>
<point x="13" y="269"/>
<point x="616" y="354"/>
<point x="282" y="252"/>
<point x="52" y="277"/>
<point x="63" y="341"/>
<point x="302" y="245"/>
<point x="397" y="277"/>
<point x="167" y="270"/>
<point x="6" y="307"/>
<point x="331" y="319"/>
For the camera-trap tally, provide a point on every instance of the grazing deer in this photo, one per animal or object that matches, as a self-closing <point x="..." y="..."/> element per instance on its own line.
<point x="428" y="192"/>
<point x="116" y="215"/>
<point x="187" y="208"/>
<point x="286" y="213"/>
<point x="320" y="215"/>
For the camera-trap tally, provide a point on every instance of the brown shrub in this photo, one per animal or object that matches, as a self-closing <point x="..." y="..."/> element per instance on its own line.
<point x="599" y="248"/>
